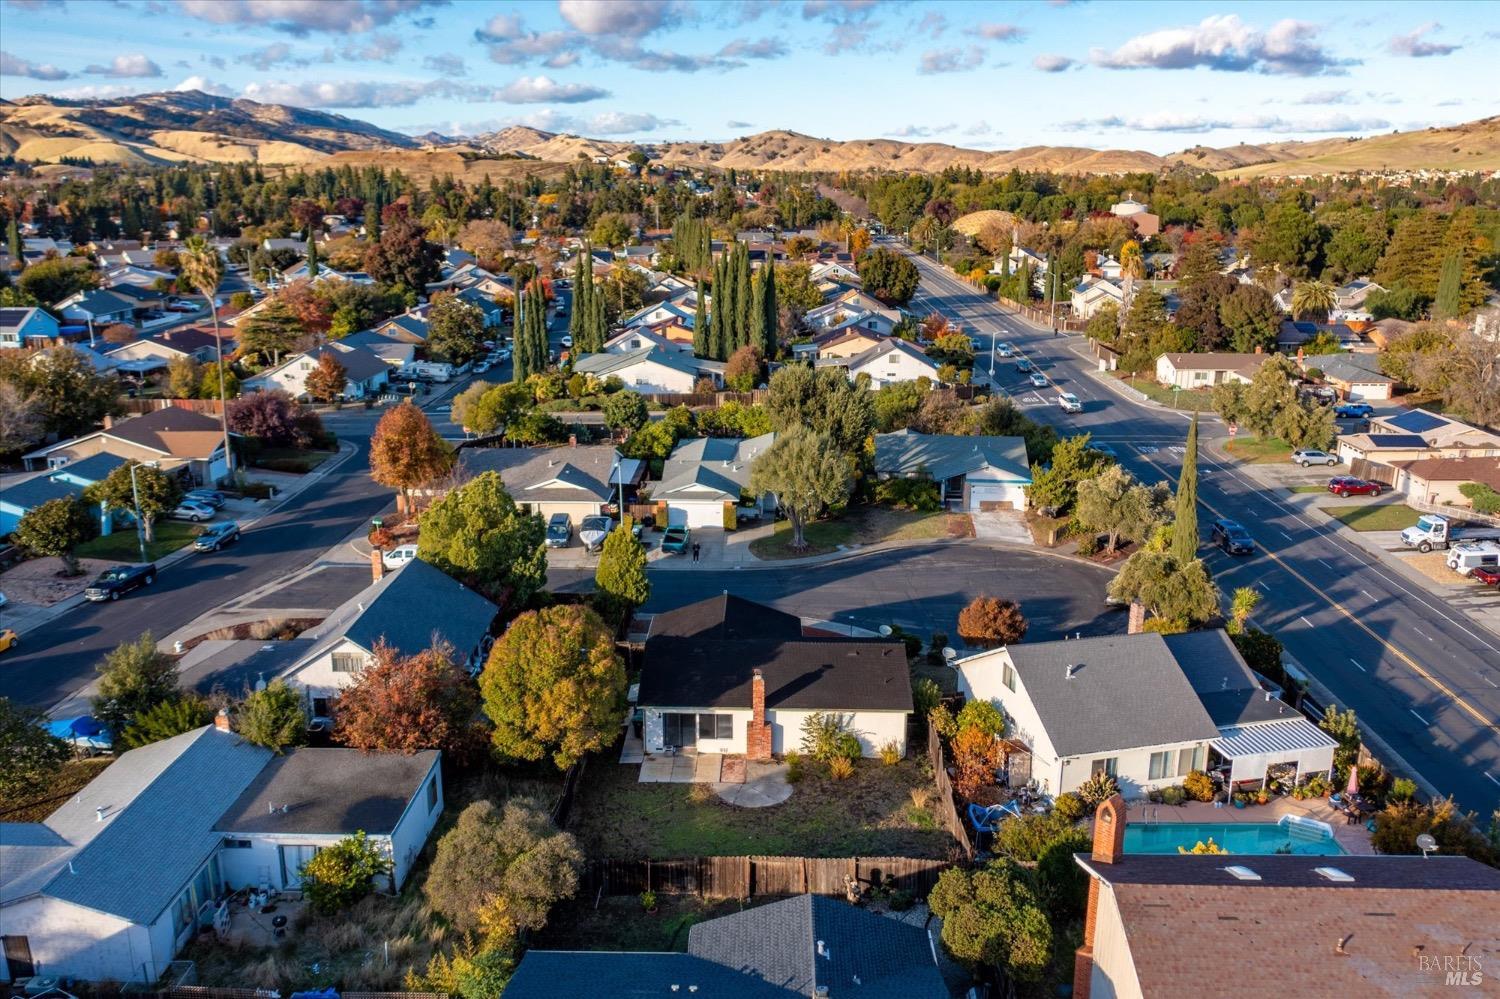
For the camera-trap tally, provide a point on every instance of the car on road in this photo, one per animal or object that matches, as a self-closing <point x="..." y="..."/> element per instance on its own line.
<point x="1023" y="365"/>
<point x="1486" y="575"/>
<point x="1005" y="350"/>
<point x="559" y="531"/>
<point x="1069" y="403"/>
<point x="8" y="639"/>
<point x="1348" y="485"/>
<point x="192" y="510"/>
<point x="4" y="600"/>
<point x="399" y="556"/>
<point x="1038" y="379"/>
<point x="561" y="310"/>
<point x="975" y="345"/>
<point x="1354" y="410"/>
<point x="112" y="583"/>
<point x="567" y="340"/>
<point x="1104" y="449"/>
<point x="208" y="497"/>
<point x="675" y="539"/>
<point x="216" y="536"/>
<point x="593" y="530"/>
<point x="1308" y="456"/>
<point x="481" y="367"/>
<point x="1231" y="536"/>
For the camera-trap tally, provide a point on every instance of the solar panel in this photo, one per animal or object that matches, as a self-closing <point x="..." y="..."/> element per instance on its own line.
<point x="1417" y="421"/>
<point x="1396" y="440"/>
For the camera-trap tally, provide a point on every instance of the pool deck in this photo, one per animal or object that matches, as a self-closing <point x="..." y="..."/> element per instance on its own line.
<point x="1354" y="839"/>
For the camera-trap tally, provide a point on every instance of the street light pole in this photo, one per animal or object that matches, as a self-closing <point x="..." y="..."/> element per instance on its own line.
<point x="140" y="523"/>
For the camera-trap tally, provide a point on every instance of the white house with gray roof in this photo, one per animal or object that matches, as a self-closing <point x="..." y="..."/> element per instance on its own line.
<point x="114" y="883"/>
<point x="888" y="362"/>
<point x="652" y="370"/>
<point x="1147" y="709"/>
<point x="577" y="481"/>
<point x="975" y="473"/>
<point x="702" y="474"/>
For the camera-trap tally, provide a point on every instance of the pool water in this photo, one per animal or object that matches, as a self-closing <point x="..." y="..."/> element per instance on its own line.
<point x="1246" y="838"/>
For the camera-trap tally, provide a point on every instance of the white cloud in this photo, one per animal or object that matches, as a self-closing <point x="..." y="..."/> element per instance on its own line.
<point x="1000" y="32"/>
<point x="619" y="18"/>
<point x="343" y="93"/>
<point x="126" y="67"/>
<point x="932" y="24"/>
<point x="1224" y="42"/>
<point x="1327" y="97"/>
<point x="837" y="10"/>
<point x="555" y="120"/>
<point x="11" y="65"/>
<point x="626" y="123"/>
<point x="979" y="128"/>
<point x="1177" y="121"/>
<point x="205" y="85"/>
<point x="765" y="48"/>
<point x="445" y="63"/>
<point x="920" y="131"/>
<point x="1415" y="44"/>
<point x="298" y="17"/>
<point x="1050" y="63"/>
<point x="739" y="124"/>
<point x="953" y="60"/>
<point x="98" y="91"/>
<point x="380" y="48"/>
<point x="271" y="56"/>
<point x="545" y="90"/>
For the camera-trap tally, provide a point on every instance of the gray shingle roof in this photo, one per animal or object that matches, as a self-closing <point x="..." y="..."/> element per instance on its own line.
<point x="604" y="365"/>
<point x="1127" y="691"/>
<point x="719" y="464"/>
<point x="94" y="468"/>
<point x="943" y="456"/>
<point x="726" y="617"/>
<point x="1225" y="685"/>
<point x="587" y="471"/>
<point x="556" y="974"/>
<point x="329" y="791"/>
<point x="33" y="493"/>
<point x="415" y="603"/>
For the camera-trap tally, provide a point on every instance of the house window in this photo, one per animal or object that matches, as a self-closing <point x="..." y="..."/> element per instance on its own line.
<point x="1008" y="677"/>
<point x="715" y="726"/>
<point x="1161" y="765"/>
<point x="1192" y="759"/>
<point x="347" y="662"/>
<point x="432" y="794"/>
<point x="236" y="844"/>
<point x="1107" y="765"/>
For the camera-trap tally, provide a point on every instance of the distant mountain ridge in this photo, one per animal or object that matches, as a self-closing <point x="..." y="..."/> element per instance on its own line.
<point x="195" y="127"/>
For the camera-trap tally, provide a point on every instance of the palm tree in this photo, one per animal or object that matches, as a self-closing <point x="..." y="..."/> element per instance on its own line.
<point x="202" y="270"/>
<point x="1132" y="267"/>
<point x="1313" y="298"/>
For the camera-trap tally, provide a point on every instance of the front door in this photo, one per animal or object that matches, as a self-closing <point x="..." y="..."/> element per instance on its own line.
<point x="18" y="958"/>
<point x="679" y="730"/>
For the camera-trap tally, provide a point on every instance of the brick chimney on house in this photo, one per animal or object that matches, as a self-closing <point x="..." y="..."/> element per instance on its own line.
<point x="221" y="720"/>
<point x="1137" y="620"/>
<point x="377" y="564"/>
<point x="758" y="733"/>
<point x="1108" y="848"/>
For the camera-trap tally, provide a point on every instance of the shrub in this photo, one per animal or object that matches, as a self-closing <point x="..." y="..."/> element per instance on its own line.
<point x="890" y="753"/>
<point x="1202" y="846"/>
<point x="339" y="875"/>
<point x="920" y="796"/>
<point x="902" y="900"/>
<point x="976" y="757"/>
<point x="1484" y="498"/>
<point x="942" y="720"/>
<point x="1199" y="786"/>
<point x="1098" y="789"/>
<point x="981" y="715"/>
<point x="794" y="767"/>
<point x="841" y="768"/>
<point x="1403" y="789"/>
<point x="1399" y="825"/>
<point x="994" y="916"/>
<point x="1069" y="806"/>
<point x="827" y="736"/>
<point x="1088" y="545"/>
<point x="991" y="621"/>
<point x="921" y="495"/>
<point x="926" y="695"/>
<point x="648" y="897"/>
<point x="1027" y="838"/>
<point x="1173" y="795"/>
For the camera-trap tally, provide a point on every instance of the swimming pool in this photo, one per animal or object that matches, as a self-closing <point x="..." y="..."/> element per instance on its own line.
<point x="1248" y="838"/>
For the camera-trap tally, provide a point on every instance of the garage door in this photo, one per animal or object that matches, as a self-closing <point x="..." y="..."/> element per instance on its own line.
<point x="696" y="514"/>
<point x="984" y="496"/>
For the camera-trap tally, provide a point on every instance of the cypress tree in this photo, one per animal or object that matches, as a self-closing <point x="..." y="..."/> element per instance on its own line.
<point x="757" y="332"/>
<point x="1185" y="527"/>
<point x="13" y="244"/>
<point x="717" y="337"/>
<point x="1449" y="287"/>
<point x="520" y="341"/>
<point x="772" y="312"/>
<point x="598" y="319"/>
<point x="537" y="318"/>
<point x="700" y="323"/>
<point x="742" y="294"/>
<point x="312" y="257"/>
<point x="580" y="298"/>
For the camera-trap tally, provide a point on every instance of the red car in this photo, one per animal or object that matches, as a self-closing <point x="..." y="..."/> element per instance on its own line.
<point x="1486" y="575"/>
<point x="1348" y="485"/>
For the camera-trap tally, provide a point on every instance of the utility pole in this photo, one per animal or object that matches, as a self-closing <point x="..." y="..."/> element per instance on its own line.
<point x="140" y="523"/>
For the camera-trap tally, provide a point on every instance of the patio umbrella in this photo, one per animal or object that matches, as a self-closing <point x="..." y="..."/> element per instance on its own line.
<point x="1353" y="787"/>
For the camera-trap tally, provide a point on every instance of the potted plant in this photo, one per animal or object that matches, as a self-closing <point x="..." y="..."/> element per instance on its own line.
<point x="1263" y="796"/>
<point x="1239" y="799"/>
<point x="648" y="902"/>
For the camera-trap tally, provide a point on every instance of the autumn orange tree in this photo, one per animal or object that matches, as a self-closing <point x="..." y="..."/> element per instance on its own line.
<point x="402" y="704"/>
<point x="406" y="453"/>
<point x="976" y="757"/>
<point x="990" y="621"/>
<point x="327" y="381"/>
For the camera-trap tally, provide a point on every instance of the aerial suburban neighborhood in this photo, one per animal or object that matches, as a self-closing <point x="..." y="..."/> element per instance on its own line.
<point x="493" y="505"/>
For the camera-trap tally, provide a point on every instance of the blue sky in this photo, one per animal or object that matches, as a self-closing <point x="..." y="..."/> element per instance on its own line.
<point x="1155" y="76"/>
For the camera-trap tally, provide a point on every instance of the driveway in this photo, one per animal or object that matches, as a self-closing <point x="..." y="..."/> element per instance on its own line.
<point x="1001" y="525"/>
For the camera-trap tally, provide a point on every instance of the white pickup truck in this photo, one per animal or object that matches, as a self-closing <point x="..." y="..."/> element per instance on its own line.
<point x="1435" y="531"/>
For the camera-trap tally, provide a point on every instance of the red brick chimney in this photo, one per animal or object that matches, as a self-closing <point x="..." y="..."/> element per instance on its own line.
<point x="377" y="564"/>
<point x="221" y="720"/>
<point x="758" y="733"/>
<point x="1137" y="620"/>
<point x="1108" y="848"/>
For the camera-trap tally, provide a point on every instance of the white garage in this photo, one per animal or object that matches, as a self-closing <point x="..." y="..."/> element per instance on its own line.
<point x="976" y="474"/>
<point x="695" y="513"/>
<point x="704" y="473"/>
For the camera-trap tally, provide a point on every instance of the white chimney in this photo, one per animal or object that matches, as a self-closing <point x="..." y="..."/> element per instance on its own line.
<point x="1072" y="671"/>
<point x="99" y="814"/>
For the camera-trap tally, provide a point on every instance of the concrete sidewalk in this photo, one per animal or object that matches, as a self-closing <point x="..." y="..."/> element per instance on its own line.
<point x="26" y="618"/>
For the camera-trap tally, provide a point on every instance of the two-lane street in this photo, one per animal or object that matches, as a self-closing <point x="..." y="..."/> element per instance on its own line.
<point x="1424" y="677"/>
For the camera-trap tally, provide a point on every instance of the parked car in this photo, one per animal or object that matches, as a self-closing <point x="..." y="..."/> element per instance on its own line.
<point x="1464" y="559"/>
<point x="1023" y="365"/>
<point x="1005" y="350"/>
<point x="1069" y="403"/>
<point x="675" y="539"/>
<point x="481" y="367"/>
<point x="8" y="639"/>
<point x="216" y="536"/>
<point x="1349" y="485"/>
<point x="192" y="510"/>
<point x="1353" y="410"/>
<point x="567" y="340"/>
<point x="399" y="556"/>
<point x="562" y="310"/>
<point x="593" y="530"/>
<point x="1308" y="456"/>
<point x="559" y="531"/>
<point x="208" y="497"/>
<point x="112" y="583"/>
<point x="1038" y="379"/>
<point x="1486" y="575"/>
<point x="1231" y="536"/>
<point x="975" y="345"/>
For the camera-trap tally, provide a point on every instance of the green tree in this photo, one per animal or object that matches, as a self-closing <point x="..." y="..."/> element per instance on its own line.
<point x="273" y="717"/>
<point x="401" y="256"/>
<point x="993" y="916"/>
<point x="554" y="686"/>
<point x="1313" y="300"/>
<point x="620" y="579"/>
<point x="406" y="453"/>
<point x="1115" y="503"/>
<point x="610" y="229"/>
<point x="312" y="257"/>
<point x="163" y="720"/>
<point x="1447" y="303"/>
<point x="14" y="245"/>
<point x="1250" y="319"/>
<point x="770" y="307"/>
<point x="272" y="331"/>
<point x="807" y="472"/>
<point x="483" y="408"/>
<point x="55" y="528"/>
<point x="1358" y="239"/>
<point x="339" y="875"/>
<point x="32" y="756"/>
<point x="625" y="410"/>
<point x="888" y="275"/>
<point x="1185" y="522"/>
<point x="1269" y="393"/>
<point x="455" y="329"/>
<point x="69" y="394"/>
<point x="823" y="400"/>
<point x="1344" y="729"/>
<point x="477" y="534"/>
<point x="1169" y="590"/>
<point x="152" y="493"/>
<point x="51" y="281"/>
<point x="133" y="678"/>
<point x="1054" y="487"/>
<point x="1290" y="239"/>
<point x="701" y="345"/>
<point x="1413" y="257"/>
<point x="184" y="375"/>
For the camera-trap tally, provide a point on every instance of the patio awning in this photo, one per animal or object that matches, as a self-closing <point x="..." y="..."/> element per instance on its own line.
<point x="1253" y="748"/>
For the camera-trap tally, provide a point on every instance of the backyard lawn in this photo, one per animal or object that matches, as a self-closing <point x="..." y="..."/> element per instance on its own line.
<point x="1259" y="450"/>
<point x="1374" y="517"/>
<point x="869" y="815"/>
<point x="121" y="546"/>
<point x="864" y="525"/>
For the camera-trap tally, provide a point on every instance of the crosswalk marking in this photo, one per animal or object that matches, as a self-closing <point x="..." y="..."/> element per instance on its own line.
<point x="1147" y="448"/>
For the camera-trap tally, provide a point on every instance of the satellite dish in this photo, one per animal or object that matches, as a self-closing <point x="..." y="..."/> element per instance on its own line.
<point x="950" y="653"/>
<point x="885" y="631"/>
<point x="1426" y="844"/>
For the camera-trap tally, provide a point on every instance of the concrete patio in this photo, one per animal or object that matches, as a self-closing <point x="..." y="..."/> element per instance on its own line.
<point x="253" y="928"/>
<point x="682" y="768"/>
<point x="1354" y="839"/>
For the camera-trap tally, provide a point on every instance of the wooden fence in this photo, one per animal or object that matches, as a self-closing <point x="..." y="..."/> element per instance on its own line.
<point x="138" y="407"/>
<point x="947" y="800"/>
<point x="747" y="877"/>
<point x="708" y="399"/>
<point x="1043" y="317"/>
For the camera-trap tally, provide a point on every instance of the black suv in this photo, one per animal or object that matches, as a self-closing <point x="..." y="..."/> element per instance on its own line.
<point x="121" y="579"/>
<point x="1232" y="537"/>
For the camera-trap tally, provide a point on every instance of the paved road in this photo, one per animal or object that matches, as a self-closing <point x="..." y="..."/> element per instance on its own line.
<point x="1424" y="677"/>
<point x="922" y="589"/>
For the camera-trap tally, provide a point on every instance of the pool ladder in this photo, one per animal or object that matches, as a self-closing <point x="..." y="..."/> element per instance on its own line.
<point x="1155" y="819"/>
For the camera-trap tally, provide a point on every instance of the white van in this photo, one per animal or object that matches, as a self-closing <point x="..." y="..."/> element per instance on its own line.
<point x="1464" y="559"/>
